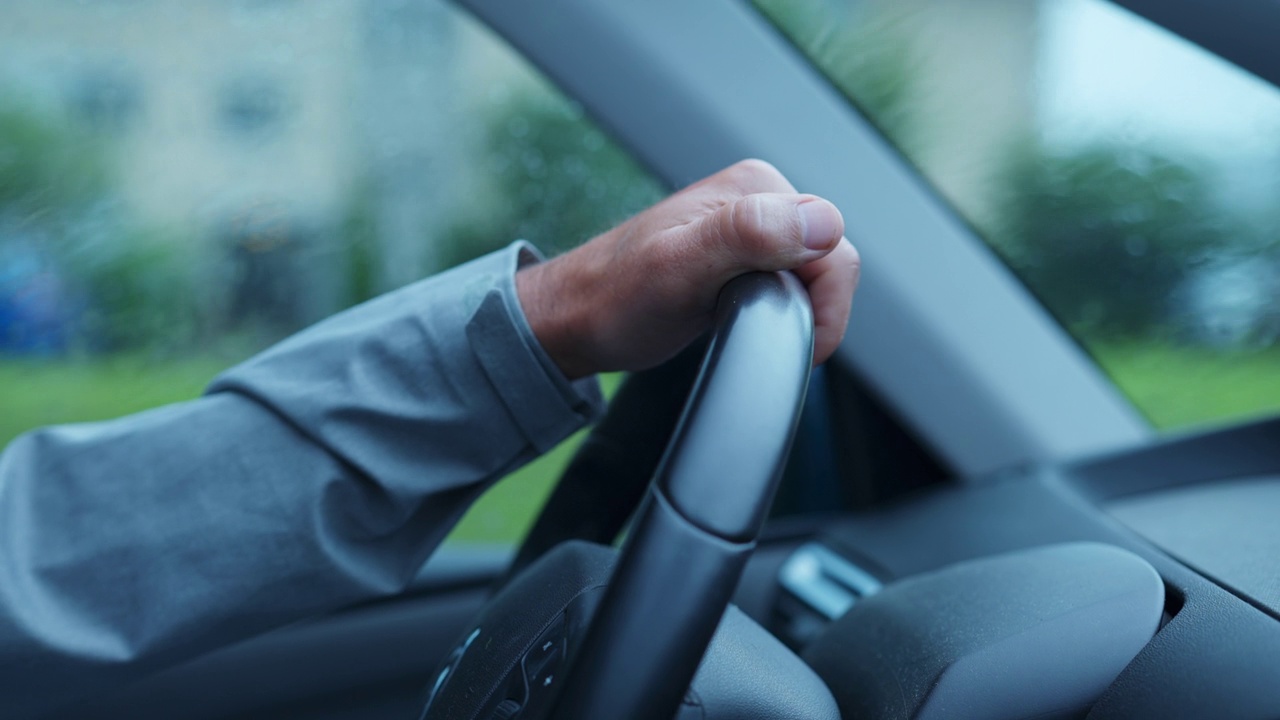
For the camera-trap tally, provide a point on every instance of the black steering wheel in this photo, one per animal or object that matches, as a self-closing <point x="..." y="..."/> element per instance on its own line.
<point x="581" y="635"/>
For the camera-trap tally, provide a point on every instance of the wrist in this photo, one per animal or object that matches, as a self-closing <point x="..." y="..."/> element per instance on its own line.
<point x="550" y="296"/>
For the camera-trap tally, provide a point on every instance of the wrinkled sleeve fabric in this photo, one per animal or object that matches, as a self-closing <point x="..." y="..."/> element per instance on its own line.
<point x="319" y="473"/>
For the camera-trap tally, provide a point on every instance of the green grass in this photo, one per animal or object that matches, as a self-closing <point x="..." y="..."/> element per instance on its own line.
<point x="1183" y="387"/>
<point x="34" y="393"/>
<point x="1175" y="387"/>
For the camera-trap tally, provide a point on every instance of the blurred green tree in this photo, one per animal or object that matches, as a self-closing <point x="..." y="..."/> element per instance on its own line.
<point x="1107" y="235"/>
<point x="868" y="56"/>
<point x="557" y="181"/>
<point x="128" y="287"/>
<point x="47" y="172"/>
<point x="358" y="243"/>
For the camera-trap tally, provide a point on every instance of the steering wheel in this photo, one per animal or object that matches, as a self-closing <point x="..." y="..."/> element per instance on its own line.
<point x="581" y="635"/>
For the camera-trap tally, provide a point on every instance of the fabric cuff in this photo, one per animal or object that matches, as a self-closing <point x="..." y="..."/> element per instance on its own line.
<point x="543" y="402"/>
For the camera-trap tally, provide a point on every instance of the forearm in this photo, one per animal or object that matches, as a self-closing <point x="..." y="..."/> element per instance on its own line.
<point x="135" y="544"/>
<point x="317" y="474"/>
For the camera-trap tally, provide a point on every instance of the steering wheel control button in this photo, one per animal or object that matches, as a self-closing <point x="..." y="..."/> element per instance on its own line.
<point x="546" y="649"/>
<point x="529" y="628"/>
<point x="451" y="664"/>
<point x="542" y="682"/>
<point x="506" y="710"/>
<point x="542" y="663"/>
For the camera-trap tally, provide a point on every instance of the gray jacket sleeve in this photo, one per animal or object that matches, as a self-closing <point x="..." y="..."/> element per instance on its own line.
<point x="319" y="473"/>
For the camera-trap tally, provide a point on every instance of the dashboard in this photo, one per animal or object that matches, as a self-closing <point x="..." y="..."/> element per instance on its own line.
<point x="1200" y="510"/>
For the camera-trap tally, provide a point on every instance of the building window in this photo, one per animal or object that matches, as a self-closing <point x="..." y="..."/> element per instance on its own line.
<point x="253" y="108"/>
<point x="106" y="102"/>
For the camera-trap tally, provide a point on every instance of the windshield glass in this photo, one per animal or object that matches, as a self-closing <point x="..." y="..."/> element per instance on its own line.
<point x="182" y="184"/>
<point x="1126" y="176"/>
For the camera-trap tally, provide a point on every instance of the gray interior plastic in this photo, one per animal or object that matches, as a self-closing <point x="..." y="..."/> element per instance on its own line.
<point x="748" y="675"/>
<point x="1216" y="657"/>
<point x="1228" y="530"/>
<point x="1038" y="633"/>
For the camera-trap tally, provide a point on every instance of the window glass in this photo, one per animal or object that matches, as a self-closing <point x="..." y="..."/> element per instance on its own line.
<point x="182" y="184"/>
<point x="1127" y="176"/>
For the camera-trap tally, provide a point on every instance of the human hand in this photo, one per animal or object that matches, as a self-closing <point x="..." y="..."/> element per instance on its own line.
<point x="636" y="295"/>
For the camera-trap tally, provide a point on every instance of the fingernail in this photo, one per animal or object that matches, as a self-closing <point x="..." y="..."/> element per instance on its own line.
<point x="822" y="224"/>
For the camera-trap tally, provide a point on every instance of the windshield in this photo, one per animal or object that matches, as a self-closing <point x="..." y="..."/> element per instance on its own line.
<point x="1124" y="174"/>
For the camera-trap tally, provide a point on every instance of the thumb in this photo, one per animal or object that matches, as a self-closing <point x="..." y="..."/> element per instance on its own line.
<point x="771" y="231"/>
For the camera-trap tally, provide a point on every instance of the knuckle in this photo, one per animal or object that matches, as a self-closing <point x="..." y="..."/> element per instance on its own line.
<point x="720" y="229"/>
<point x="852" y="258"/>
<point x="754" y="172"/>
<point x="747" y="223"/>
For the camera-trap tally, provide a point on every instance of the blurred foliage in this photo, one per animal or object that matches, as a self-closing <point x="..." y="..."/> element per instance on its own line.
<point x="1181" y="386"/>
<point x="1142" y="252"/>
<point x="557" y="181"/>
<point x="865" y="52"/>
<point x="358" y="238"/>
<point x="46" y="168"/>
<point x="121" y="286"/>
<point x="139" y="286"/>
<point x="1107" y="236"/>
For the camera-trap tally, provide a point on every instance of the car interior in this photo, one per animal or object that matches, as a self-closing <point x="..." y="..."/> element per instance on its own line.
<point x="968" y="512"/>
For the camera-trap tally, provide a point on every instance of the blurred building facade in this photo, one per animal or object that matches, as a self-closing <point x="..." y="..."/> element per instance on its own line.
<point x="258" y="127"/>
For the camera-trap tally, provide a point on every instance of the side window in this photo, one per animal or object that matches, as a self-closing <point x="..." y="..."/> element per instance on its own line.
<point x="177" y="197"/>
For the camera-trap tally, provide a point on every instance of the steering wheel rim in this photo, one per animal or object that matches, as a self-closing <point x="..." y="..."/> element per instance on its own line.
<point x="581" y="634"/>
<point x="704" y="509"/>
